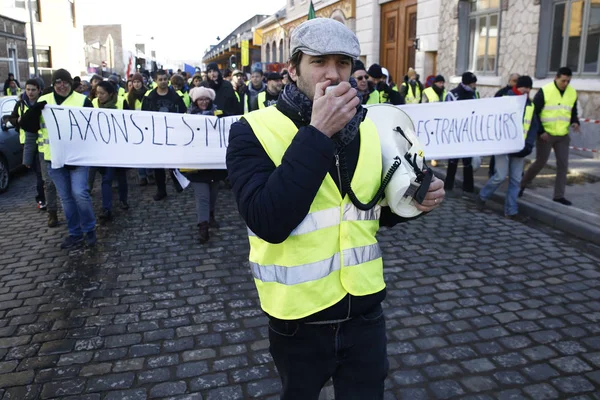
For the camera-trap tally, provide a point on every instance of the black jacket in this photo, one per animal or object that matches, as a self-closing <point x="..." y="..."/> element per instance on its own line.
<point x="274" y="201"/>
<point x="460" y="93"/>
<point x="170" y="102"/>
<point x="504" y="91"/>
<point x="225" y="96"/>
<point x="539" y="101"/>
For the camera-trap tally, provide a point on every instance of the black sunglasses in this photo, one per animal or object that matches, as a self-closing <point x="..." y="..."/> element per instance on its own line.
<point x="360" y="78"/>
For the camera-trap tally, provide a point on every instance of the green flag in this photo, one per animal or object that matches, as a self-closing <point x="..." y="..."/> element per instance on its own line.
<point x="311" y="11"/>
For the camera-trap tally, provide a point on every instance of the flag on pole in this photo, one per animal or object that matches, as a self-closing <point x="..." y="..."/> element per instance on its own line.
<point x="311" y="11"/>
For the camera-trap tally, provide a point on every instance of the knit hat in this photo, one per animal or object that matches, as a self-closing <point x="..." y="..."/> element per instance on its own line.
<point x="358" y="66"/>
<point x="274" y="76"/>
<point x="524" y="81"/>
<point x="468" y="78"/>
<point x="375" y="71"/>
<point x="113" y="79"/>
<point x="439" y="78"/>
<point x="137" y="77"/>
<point x="213" y="66"/>
<point x="201" y="91"/>
<point x="63" y="75"/>
<point x="324" y="36"/>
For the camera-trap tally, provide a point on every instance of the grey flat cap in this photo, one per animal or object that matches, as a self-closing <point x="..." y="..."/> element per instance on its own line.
<point x="323" y="36"/>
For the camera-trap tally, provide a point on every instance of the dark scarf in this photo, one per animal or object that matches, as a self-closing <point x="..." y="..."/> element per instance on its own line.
<point x="438" y="91"/>
<point x="111" y="103"/>
<point x="293" y="102"/>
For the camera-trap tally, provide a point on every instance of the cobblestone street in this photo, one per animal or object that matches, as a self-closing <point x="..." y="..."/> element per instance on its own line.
<point x="478" y="307"/>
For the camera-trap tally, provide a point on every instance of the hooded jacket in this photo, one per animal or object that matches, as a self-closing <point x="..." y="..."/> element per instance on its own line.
<point x="253" y="96"/>
<point x="225" y="98"/>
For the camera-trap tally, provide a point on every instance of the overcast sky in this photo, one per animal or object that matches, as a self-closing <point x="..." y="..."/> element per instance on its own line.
<point x="182" y="29"/>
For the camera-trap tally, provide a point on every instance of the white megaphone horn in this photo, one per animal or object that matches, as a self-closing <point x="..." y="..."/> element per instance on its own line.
<point x="404" y="170"/>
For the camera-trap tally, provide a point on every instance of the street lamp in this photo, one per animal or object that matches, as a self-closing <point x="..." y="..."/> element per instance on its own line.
<point x="33" y="49"/>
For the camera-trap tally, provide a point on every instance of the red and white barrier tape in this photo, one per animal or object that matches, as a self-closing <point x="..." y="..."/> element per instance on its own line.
<point x="590" y="121"/>
<point x="584" y="149"/>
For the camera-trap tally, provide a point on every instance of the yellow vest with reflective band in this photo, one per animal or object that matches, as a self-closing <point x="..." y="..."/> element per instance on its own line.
<point x="74" y="100"/>
<point x="383" y="96"/>
<point x="120" y="102"/>
<point x="410" y="97"/>
<point x="22" y="110"/>
<point x="527" y="117"/>
<point x="432" y="96"/>
<point x="333" y="251"/>
<point x="185" y="97"/>
<point x="373" y="97"/>
<point x="556" y="114"/>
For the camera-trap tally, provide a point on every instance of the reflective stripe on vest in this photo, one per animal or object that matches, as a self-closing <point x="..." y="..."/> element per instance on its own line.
<point x="556" y="114"/>
<point x="22" y="110"/>
<point x="74" y="100"/>
<point x="527" y="117"/>
<point x="333" y="251"/>
<point x="411" y="97"/>
<point x="432" y="96"/>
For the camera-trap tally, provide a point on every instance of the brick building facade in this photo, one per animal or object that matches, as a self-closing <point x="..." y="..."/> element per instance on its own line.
<point x="13" y="49"/>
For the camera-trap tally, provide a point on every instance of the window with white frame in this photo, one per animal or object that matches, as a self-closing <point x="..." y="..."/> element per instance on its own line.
<point x="44" y="59"/>
<point x="575" y="36"/>
<point x="484" y="33"/>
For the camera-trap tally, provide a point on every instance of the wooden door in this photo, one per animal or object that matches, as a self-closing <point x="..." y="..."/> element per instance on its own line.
<point x="398" y="33"/>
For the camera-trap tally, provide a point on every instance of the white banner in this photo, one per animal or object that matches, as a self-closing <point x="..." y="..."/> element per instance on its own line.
<point x="125" y="138"/>
<point x="469" y="128"/>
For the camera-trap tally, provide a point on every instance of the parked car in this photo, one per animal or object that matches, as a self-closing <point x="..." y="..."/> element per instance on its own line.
<point x="11" y="151"/>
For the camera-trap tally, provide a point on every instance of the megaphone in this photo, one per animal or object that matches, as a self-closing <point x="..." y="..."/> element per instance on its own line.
<point x="405" y="174"/>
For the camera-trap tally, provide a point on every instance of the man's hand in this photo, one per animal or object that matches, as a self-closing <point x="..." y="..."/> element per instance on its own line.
<point x="434" y="197"/>
<point x="544" y="137"/>
<point x="575" y="126"/>
<point x="332" y="111"/>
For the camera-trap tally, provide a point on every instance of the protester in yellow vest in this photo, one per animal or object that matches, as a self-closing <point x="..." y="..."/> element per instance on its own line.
<point x="386" y="93"/>
<point x="436" y="92"/>
<point x="70" y="181"/>
<point x="314" y="255"/>
<point x="363" y="86"/>
<point x="270" y="96"/>
<point x="178" y="84"/>
<point x="410" y="89"/>
<point x="12" y="89"/>
<point x="28" y="99"/>
<point x="556" y="106"/>
<point x="511" y="165"/>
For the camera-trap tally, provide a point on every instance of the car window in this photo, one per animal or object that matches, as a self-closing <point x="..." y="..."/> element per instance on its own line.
<point x="7" y="106"/>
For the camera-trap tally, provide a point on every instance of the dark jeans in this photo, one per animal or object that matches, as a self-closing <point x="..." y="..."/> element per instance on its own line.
<point x="37" y="168"/>
<point x="468" y="184"/>
<point x="108" y="174"/>
<point x="353" y="353"/>
<point x="160" y="176"/>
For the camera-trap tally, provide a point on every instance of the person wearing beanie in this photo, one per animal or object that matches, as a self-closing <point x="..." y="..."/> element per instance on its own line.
<point x="70" y="181"/>
<point x="197" y="79"/>
<point x="410" y="89"/>
<point x="386" y="93"/>
<point x="204" y="182"/>
<point x="512" y="165"/>
<point x="163" y="99"/>
<point x="436" y="92"/>
<point x="314" y="254"/>
<point x="270" y="96"/>
<point x="225" y="99"/>
<point x="255" y="87"/>
<point x="466" y="90"/>
<point x="363" y="85"/>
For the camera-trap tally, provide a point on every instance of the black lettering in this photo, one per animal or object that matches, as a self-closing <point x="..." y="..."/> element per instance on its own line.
<point x="516" y="126"/>
<point x="89" y="126"/>
<point x="487" y="125"/>
<point x="437" y="130"/>
<point x="191" y="131"/>
<point x="167" y="127"/>
<point x="101" y="113"/>
<point x="452" y="131"/>
<point x="73" y="121"/>
<point x="154" y="133"/>
<point x="122" y="128"/>
<point x="138" y="128"/>
<point x="464" y="128"/>
<point x="216" y="126"/>
<point x="445" y="135"/>
<point x="427" y="132"/>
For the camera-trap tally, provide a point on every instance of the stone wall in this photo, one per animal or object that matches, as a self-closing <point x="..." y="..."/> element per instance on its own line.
<point x="448" y="38"/>
<point x="12" y="35"/>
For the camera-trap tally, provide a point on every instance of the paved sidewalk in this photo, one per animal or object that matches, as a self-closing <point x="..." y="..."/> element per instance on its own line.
<point x="478" y="307"/>
<point x="583" y="189"/>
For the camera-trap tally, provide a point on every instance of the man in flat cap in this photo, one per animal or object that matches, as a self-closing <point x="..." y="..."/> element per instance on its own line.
<point x="294" y="168"/>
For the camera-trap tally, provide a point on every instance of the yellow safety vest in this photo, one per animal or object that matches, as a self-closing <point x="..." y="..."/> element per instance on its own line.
<point x="120" y="102"/>
<point x="432" y="96"/>
<point x="185" y="97"/>
<point x="262" y="97"/>
<point x="74" y="100"/>
<point x="410" y="97"/>
<point x="22" y="110"/>
<point x="383" y="96"/>
<point x="373" y="97"/>
<point x="122" y="92"/>
<point x="334" y="250"/>
<point x="556" y="114"/>
<point x="527" y="117"/>
<point x="8" y="92"/>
